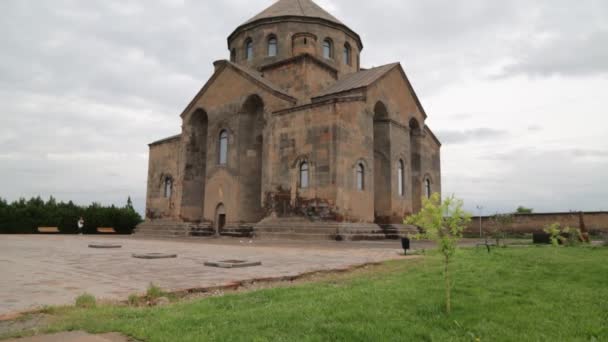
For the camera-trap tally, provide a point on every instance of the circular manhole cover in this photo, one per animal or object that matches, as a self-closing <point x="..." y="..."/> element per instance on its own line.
<point x="105" y="245"/>
<point x="233" y="264"/>
<point x="155" y="256"/>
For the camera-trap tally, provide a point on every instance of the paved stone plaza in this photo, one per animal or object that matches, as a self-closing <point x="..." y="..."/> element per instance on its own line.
<point x="53" y="270"/>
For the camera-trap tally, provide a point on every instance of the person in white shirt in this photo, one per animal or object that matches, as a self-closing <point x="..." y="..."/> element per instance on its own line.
<point x="80" y="225"/>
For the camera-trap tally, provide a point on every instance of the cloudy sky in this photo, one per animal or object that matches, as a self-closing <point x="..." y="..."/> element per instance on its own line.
<point x="517" y="90"/>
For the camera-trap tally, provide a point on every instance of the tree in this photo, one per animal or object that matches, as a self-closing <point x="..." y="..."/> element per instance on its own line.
<point x="130" y="204"/>
<point x="497" y="229"/>
<point x="524" y="210"/>
<point x="442" y="222"/>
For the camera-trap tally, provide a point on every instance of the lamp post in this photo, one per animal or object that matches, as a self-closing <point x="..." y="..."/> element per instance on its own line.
<point x="480" y="208"/>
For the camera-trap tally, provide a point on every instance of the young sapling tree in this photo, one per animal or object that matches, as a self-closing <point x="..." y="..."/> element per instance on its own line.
<point x="442" y="222"/>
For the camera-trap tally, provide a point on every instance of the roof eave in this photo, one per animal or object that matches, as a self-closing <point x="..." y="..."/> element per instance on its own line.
<point x="220" y="66"/>
<point x="433" y="136"/>
<point x="165" y="140"/>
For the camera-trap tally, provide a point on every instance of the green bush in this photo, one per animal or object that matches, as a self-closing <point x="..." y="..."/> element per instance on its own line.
<point x="566" y="236"/>
<point x="24" y="217"/>
<point x="134" y="300"/>
<point x="86" y="301"/>
<point x="154" y="292"/>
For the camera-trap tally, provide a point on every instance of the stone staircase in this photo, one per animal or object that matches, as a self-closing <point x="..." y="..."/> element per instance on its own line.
<point x="304" y="229"/>
<point x="295" y="228"/>
<point x="166" y="229"/>
<point x="240" y="231"/>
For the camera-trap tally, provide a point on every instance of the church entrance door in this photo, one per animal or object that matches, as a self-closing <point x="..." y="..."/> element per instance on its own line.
<point x="220" y="218"/>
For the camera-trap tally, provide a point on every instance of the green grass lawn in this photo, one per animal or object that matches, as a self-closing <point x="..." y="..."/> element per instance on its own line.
<point x="513" y="294"/>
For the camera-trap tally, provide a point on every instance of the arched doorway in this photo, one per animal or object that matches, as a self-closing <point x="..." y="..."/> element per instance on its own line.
<point x="251" y="142"/>
<point x="415" y="149"/>
<point x="220" y="218"/>
<point x="382" y="168"/>
<point x="195" y="169"/>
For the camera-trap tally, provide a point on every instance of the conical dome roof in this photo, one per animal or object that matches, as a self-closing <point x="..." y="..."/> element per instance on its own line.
<point x="295" y="8"/>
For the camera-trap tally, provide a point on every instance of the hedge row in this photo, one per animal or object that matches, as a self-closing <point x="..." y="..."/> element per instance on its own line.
<point x="25" y="216"/>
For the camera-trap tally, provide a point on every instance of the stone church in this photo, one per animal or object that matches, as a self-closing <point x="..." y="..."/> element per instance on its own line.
<point x="291" y="137"/>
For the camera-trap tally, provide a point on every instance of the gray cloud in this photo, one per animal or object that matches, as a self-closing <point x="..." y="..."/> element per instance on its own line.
<point x="572" y="155"/>
<point x="476" y="135"/>
<point x="546" y="180"/>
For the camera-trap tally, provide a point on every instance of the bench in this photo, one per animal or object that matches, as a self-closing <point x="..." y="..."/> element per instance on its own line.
<point x="48" y="230"/>
<point x="106" y="230"/>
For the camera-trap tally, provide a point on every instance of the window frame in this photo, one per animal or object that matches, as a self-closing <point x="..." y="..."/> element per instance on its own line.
<point x="168" y="187"/>
<point x="347" y="54"/>
<point x="401" y="178"/>
<point x="223" y="146"/>
<point x="360" y="177"/>
<point x="427" y="188"/>
<point x="304" y="171"/>
<point x="249" y="49"/>
<point x="329" y="45"/>
<point x="273" y="41"/>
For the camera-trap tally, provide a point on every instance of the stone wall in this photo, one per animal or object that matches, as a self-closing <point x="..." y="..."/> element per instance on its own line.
<point x="410" y="141"/>
<point x="162" y="165"/>
<point x="529" y="223"/>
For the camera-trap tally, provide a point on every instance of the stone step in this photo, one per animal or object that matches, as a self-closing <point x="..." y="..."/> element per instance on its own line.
<point x="154" y="229"/>
<point x="279" y="229"/>
<point x="294" y="236"/>
<point x="172" y="229"/>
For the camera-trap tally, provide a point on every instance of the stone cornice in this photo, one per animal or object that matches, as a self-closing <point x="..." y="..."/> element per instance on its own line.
<point x="320" y="104"/>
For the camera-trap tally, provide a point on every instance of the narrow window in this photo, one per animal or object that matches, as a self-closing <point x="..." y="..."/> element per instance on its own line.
<point x="327" y="49"/>
<point x="249" y="50"/>
<point x="400" y="180"/>
<point x="304" y="173"/>
<point x="360" y="177"/>
<point x="427" y="186"/>
<point x="233" y="55"/>
<point x="168" y="187"/>
<point x="223" y="147"/>
<point x="272" y="47"/>
<point x="347" y="54"/>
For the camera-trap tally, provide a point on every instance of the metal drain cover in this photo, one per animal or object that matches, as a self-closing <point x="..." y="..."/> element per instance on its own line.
<point x="104" y="245"/>
<point x="233" y="263"/>
<point x="150" y="256"/>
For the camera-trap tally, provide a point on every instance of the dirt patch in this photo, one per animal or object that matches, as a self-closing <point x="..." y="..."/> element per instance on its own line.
<point x="76" y="336"/>
<point x="14" y="324"/>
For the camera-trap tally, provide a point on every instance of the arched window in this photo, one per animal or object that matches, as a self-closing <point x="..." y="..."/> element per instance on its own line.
<point x="427" y="188"/>
<point x="233" y="55"/>
<point x="400" y="180"/>
<point x="168" y="187"/>
<point x="223" y="160"/>
<point x="347" y="54"/>
<point x="328" y="49"/>
<point x="249" y="49"/>
<point x="304" y="174"/>
<point x="360" y="177"/>
<point x="272" y="46"/>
